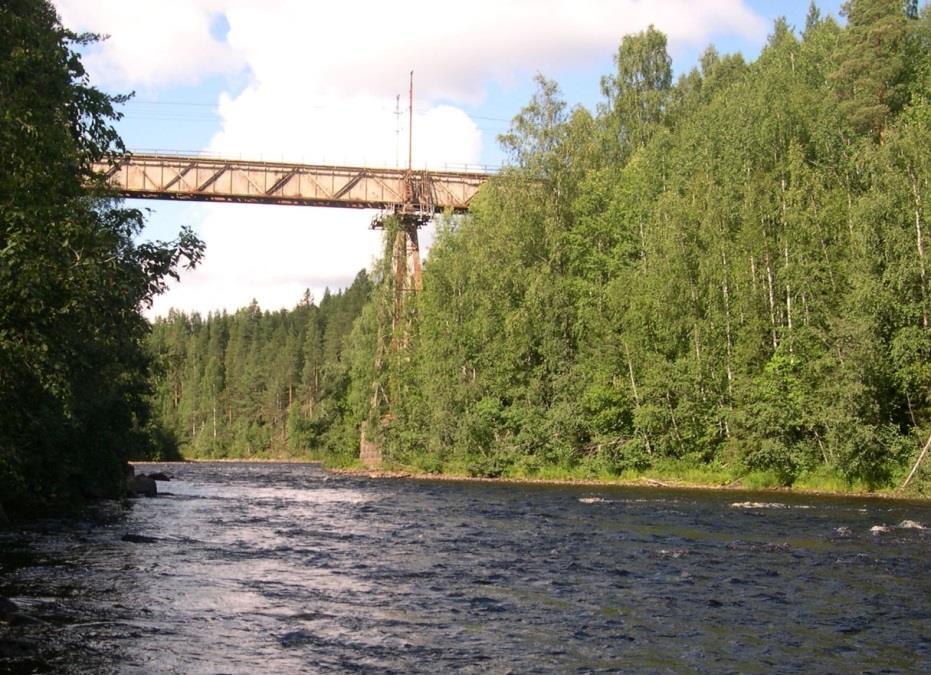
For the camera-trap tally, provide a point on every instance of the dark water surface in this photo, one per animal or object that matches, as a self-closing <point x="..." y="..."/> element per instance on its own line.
<point x="267" y="568"/>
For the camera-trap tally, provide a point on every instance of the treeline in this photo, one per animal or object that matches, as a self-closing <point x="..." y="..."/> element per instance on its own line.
<point x="74" y="379"/>
<point x="257" y="383"/>
<point x="727" y="273"/>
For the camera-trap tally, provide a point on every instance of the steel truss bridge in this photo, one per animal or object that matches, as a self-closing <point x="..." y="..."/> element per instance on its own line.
<point x="416" y="194"/>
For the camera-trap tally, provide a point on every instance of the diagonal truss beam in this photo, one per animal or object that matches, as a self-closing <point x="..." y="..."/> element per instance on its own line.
<point x="170" y="184"/>
<point x="213" y="179"/>
<point x="156" y="176"/>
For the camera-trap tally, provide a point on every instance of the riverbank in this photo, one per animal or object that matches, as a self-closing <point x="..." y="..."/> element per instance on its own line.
<point x="671" y="476"/>
<point x="230" y="460"/>
<point x="642" y="481"/>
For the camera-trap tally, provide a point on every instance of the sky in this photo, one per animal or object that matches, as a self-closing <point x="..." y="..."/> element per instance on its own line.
<point x="302" y="80"/>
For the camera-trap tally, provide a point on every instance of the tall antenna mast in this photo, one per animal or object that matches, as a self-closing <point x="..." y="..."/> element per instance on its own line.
<point x="410" y="128"/>
<point x="397" y="131"/>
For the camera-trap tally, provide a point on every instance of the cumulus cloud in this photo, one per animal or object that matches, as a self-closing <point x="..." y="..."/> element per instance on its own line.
<point x="322" y="81"/>
<point x="344" y="50"/>
<point x="152" y="43"/>
<point x="456" y="49"/>
<point x="271" y="254"/>
<point x="278" y="123"/>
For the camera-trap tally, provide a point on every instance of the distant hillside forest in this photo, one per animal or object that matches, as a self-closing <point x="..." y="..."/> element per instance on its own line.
<point x="259" y="383"/>
<point x="727" y="273"/>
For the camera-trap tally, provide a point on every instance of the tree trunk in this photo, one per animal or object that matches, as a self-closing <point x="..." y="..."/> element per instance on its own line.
<point x="643" y="245"/>
<point x="630" y="371"/>
<point x="633" y="387"/>
<point x="772" y="303"/>
<point x="788" y="295"/>
<point x="921" y="250"/>
<point x="672" y="417"/>
<point x="918" y="461"/>
<point x="727" y="323"/>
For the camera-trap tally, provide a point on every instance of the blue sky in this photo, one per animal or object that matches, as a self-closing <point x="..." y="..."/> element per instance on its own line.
<point x="186" y="117"/>
<point x="286" y="79"/>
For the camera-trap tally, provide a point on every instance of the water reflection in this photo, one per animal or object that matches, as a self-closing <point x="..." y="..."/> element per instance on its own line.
<point x="281" y="568"/>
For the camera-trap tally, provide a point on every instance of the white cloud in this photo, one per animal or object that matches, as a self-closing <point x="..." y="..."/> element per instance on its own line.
<point x="456" y="49"/>
<point x="322" y="83"/>
<point x="271" y="254"/>
<point x="337" y="49"/>
<point x="151" y="43"/>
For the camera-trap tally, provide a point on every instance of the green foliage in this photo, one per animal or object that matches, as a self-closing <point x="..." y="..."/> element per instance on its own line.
<point x="776" y="420"/>
<point x="871" y="69"/>
<point x="638" y="93"/>
<point x="726" y="275"/>
<point x="260" y="383"/>
<point x="73" y="372"/>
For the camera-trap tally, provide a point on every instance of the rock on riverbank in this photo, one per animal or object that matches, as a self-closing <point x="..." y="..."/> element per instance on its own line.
<point x="141" y="485"/>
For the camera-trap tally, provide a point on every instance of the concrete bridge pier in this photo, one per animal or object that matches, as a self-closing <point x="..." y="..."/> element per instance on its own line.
<point x="407" y="270"/>
<point x="406" y="282"/>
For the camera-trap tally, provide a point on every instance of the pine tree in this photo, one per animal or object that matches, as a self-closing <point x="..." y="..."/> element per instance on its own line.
<point x="870" y="76"/>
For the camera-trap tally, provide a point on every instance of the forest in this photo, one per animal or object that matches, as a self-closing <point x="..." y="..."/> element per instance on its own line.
<point x="721" y="278"/>
<point x="257" y="383"/>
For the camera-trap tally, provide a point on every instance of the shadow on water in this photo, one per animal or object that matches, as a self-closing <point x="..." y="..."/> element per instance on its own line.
<point x="283" y="568"/>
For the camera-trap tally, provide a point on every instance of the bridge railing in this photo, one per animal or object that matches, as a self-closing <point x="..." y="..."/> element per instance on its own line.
<point x="485" y="169"/>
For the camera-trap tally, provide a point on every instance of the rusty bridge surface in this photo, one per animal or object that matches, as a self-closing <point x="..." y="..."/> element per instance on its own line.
<point x="179" y="177"/>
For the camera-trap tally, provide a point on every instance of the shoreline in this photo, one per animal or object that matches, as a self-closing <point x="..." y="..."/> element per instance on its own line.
<point x="641" y="482"/>
<point x="225" y="460"/>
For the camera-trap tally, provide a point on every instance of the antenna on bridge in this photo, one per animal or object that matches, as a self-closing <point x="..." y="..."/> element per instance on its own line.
<point x="397" y="131"/>
<point x="410" y="128"/>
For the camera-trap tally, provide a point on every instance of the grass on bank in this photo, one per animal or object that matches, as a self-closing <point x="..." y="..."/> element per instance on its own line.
<point x="671" y="472"/>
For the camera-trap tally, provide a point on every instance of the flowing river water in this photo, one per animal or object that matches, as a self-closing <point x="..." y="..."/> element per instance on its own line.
<point x="280" y="568"/>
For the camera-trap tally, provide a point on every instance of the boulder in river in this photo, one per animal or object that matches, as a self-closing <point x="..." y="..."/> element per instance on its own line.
<point x="8" y="609"/>
<point x="141" y="486"/>
<point x="11" y="613"/>
<point x="158" y="475"/>
<point x="296" y="638"/>
<point x="138" y="538"/>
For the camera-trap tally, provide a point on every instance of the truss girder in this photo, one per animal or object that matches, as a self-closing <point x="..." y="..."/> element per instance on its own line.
<point x="203" y="179"/>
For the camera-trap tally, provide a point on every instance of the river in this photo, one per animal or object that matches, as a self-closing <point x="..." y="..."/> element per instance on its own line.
<point x="280" y="568"/>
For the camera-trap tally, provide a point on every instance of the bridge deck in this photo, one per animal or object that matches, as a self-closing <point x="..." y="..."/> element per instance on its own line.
<point x="154" y="176"/>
